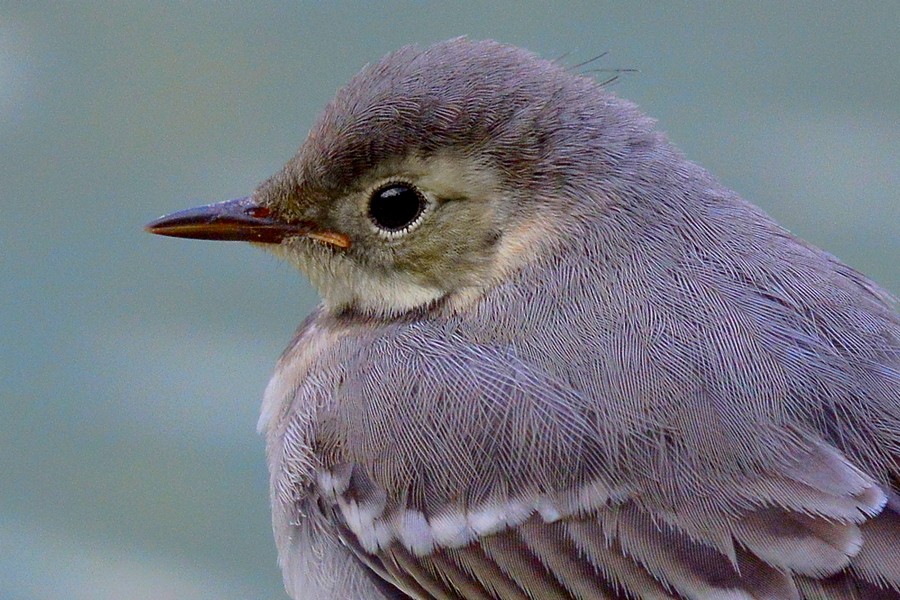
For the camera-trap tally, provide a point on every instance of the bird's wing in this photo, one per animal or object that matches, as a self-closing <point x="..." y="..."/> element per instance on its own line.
<point x="461" y="472"/>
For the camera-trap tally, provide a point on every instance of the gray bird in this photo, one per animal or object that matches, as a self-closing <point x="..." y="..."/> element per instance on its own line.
<point x="554" y="359"/>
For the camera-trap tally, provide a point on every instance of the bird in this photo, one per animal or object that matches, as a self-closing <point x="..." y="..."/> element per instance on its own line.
<point x="554" y="359"/>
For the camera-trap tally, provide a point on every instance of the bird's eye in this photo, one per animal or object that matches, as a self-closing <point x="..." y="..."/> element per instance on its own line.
<point x="396" y="207"/>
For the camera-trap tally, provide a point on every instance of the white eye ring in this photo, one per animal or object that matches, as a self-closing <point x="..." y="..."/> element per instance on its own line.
<point x="396" y="207"/>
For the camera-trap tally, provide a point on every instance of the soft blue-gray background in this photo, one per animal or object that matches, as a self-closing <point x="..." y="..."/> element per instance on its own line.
<point x="132" y="366"/>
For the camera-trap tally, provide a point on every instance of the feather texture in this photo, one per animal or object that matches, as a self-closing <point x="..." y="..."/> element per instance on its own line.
<point x="661" y="395"/>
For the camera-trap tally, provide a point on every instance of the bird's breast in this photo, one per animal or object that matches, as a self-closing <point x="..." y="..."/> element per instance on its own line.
<point x="310" y="342"/>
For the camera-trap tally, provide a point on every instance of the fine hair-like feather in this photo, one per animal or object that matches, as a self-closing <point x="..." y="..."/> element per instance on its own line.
<point x="617" y="379"/>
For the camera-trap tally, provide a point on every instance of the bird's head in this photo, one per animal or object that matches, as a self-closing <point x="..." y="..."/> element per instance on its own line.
<point x="428" y="178"/>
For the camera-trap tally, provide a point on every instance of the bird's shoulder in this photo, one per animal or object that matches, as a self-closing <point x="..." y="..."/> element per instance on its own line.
<point x="420" y="444"/>
<point x="445" y="464"/>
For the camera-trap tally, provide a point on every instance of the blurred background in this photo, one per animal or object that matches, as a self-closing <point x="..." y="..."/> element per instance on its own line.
<point x="131" y="366"/>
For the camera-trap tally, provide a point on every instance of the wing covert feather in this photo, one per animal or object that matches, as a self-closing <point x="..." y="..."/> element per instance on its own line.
<point x="527" y="493"/>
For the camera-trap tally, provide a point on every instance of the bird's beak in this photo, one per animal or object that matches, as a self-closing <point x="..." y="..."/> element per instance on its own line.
<point x="239" y="220"/>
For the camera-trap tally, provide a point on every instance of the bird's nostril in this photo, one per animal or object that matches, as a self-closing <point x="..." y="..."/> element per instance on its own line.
<point x="257" y="212"/>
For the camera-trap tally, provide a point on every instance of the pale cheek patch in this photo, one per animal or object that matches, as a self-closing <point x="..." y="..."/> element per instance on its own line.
<point x="517" y="248"/>
<point x="342" y="283"/>
<point x="523" y="244"/>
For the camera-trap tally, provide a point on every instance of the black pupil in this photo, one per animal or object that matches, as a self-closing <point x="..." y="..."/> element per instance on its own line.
<point x="395" y="207"/>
